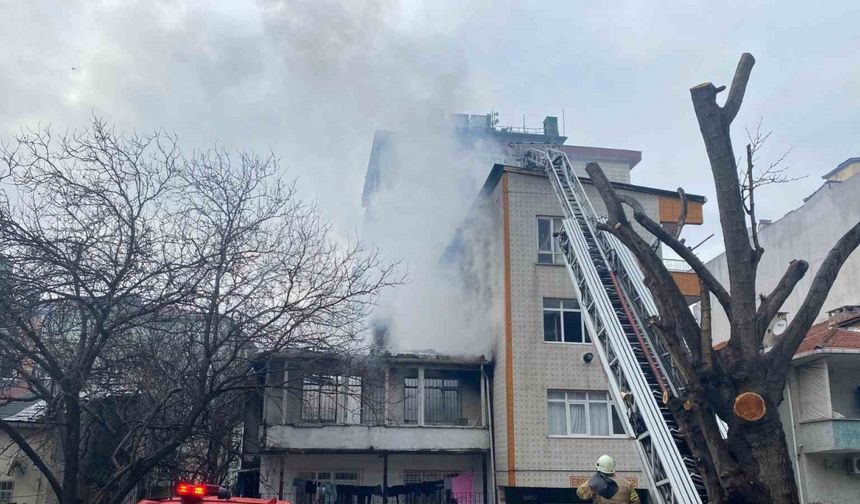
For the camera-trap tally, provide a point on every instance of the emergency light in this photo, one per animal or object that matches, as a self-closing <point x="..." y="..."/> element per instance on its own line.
<point x="191" y="492"/>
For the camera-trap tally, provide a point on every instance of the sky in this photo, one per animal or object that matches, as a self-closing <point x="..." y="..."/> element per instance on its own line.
<point x="312" y="80"/>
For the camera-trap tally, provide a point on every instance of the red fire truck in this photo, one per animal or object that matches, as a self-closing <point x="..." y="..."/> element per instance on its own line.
<point x="191" y="493"/>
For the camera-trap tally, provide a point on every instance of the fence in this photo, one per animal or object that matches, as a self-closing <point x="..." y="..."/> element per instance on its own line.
<point x="438" y="497"/>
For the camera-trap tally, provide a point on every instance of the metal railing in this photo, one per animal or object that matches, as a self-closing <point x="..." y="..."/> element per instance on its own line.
<point x="679" y="265"/>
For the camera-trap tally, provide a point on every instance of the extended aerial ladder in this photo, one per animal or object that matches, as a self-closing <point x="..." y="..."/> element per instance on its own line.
<point x="615" y="303"/>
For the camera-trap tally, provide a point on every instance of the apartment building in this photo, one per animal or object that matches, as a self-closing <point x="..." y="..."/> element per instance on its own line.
<point x="391" y="427"/>
<point x="553" y="416"/>
<point x="821" y="410"/>
<point x="546" y="414"/>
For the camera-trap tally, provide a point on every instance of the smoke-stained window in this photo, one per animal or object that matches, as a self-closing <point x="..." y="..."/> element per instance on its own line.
<point x="331" y="399"/>
<point x="7" y="491"/>
<point x="410" y="400"/>
<point x="562" y="322"/>
<point x="578" y="413"/>
<point x="442" y="401"/>
<point x="548" y="249"/>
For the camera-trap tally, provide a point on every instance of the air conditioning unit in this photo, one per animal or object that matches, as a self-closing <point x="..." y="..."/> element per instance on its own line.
<point x="855" y="465"/>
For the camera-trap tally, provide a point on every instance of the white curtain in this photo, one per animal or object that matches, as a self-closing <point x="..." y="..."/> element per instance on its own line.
<point x="814" y="391"/>
<point x="599" y="418"/>
<point x="577" y="419"/>
<point x="557" y="420"/>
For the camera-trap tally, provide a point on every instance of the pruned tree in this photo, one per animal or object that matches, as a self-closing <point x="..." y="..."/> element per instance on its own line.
<point x="140" y="284"/>
<point x="741" y="382"/>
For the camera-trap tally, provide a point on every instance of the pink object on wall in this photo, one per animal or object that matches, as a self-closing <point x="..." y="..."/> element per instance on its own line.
<point x="461" y="486"/>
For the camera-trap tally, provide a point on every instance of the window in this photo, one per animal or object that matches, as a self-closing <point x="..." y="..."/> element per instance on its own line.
<point x="575" y="413"/>
<point x="562" y="322"/>
<point x="442" y="401"/>
<point x="331" y="399"/>
<point x="7" y="490"/>
<point x="410" y="400"/>
<point x="344" y="477"/>
<point x="548" y="249"/>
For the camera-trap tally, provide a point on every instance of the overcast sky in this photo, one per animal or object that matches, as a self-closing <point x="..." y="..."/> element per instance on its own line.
<point x="311" y="80"/>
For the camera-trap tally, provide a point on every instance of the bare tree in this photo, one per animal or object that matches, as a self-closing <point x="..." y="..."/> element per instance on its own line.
<point x="740" y="382"/>
<point x="141" y="283"/>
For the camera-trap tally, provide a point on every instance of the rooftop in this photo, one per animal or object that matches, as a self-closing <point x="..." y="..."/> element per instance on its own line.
<point x="838" y="334"/>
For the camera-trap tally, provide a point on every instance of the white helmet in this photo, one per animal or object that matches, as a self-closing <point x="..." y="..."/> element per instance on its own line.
<point x="606" y="464"/>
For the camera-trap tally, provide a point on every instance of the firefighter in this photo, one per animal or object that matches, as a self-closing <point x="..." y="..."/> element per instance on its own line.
<point x="607" y="488"/>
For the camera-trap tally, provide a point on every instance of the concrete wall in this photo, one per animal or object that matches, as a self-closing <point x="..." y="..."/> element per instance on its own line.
<point x="538" y="365"/>
<point x="616" y="171"/>
<point x="30" y="487"/>
<point x="827" y="480"/>
<point x="805" y="233"/>
<point x="369" y="466"/>
<point x="362" y="437"/>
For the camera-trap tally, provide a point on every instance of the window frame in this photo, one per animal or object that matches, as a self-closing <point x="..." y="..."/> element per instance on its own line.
<point x="554" y="251"/>
<point x="449" y="409"/>
<point x="562" y="309"/>
<point x="568" y="401"/>
<point x="4" y="491"/>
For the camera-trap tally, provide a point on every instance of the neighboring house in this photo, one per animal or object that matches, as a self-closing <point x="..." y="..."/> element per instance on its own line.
<point x="20" y="481"/>
<point x="398" y="421"/>
<point x="821" y="410"/>
<point x="549" y="413"/>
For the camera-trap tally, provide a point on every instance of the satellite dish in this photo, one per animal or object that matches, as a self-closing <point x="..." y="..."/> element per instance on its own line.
<point x="779" y="326"/>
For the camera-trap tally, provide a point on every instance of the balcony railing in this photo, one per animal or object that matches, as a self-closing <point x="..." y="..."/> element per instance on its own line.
<point x="345" y="497"/>
<point x="678" y="265"/>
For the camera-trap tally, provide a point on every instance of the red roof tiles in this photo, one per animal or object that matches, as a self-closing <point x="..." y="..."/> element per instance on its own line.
<point x="832" y="334"/>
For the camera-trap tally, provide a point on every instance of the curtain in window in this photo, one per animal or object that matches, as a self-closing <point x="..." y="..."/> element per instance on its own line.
<point x="599" y="419"/>
<point x="578" y="419"/>
<point x="557" y="419"/>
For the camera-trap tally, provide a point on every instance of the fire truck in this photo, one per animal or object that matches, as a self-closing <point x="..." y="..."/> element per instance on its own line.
<point x="192" y="493"/>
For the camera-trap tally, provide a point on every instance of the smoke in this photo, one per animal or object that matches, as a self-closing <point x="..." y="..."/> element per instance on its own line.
<point x="310" y="80"/>
<point x="429" y="192"/>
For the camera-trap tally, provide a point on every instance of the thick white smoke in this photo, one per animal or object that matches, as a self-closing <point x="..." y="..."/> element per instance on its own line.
<point x="430" y="190"/>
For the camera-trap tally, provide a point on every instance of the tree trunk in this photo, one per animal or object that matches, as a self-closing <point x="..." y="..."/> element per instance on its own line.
<point x="763" y="455"/>
<point x="71" y="432"/>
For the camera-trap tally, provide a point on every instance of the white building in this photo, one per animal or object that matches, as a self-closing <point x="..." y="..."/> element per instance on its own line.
<point x="821" y="411"/>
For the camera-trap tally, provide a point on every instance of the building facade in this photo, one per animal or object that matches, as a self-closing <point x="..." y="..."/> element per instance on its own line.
<point x="21" y="482"/>
<point x="821" y="410"/>
<point x="553" y="414"/>
<point x="545" y="411"/>
<point x="394" y="422"/>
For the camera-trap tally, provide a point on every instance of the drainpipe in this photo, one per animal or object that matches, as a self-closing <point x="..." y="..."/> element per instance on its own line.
<point x="794" y="440"/>
<point x="489" y="395"/>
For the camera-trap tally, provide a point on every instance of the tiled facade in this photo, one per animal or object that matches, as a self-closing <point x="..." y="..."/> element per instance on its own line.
<point x="535" y="459"/>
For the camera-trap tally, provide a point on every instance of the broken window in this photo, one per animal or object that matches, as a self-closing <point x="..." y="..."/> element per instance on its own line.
<point x="577" y="413"/>
<point x="548" y="249"/>
<point x="562" y="322"/>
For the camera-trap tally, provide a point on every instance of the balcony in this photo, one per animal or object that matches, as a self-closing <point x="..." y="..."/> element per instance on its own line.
<point x="409" y="403"/>
<point x="830" y="435"/>
<point x="379" y="437"/>
<point x="683" y="275"/>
